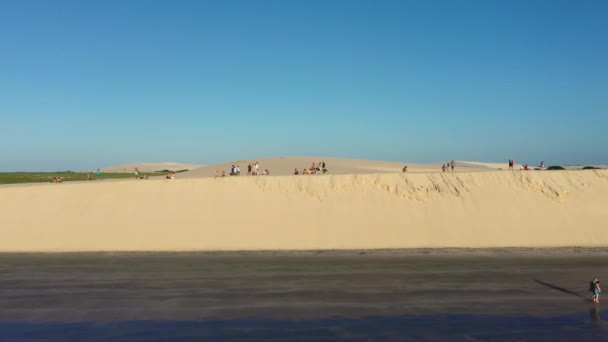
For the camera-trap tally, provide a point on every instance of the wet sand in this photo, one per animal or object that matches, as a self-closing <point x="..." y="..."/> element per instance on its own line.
<point x="127" y="286"/>
<point x="255" y="289"/>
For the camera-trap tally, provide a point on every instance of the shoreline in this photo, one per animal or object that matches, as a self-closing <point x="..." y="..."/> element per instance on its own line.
<point x="574" y="251"/>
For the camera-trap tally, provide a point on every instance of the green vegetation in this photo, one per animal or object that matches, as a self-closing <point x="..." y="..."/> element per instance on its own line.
<point x="167" y="171"/>
<point x="591" y="168"/>
<point x="555" y="167"/>
<point x="67" y="176"/>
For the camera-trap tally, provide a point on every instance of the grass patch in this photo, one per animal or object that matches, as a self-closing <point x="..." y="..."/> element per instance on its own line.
<point x="555" y="167"/>
<point x="167" y="171"/>
<point x="68" y="176"/>
<point x="591" y="168"/>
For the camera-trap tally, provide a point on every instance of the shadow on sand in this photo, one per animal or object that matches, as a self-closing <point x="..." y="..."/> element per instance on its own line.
<point x="561" y="289"/>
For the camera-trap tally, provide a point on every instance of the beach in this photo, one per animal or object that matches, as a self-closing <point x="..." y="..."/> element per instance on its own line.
<point x="346" y="295"/>
<point x="474" y="254"/>
<point x="468" y="209"/>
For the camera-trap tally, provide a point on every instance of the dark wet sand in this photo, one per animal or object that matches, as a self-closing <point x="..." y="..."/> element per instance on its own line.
<point x="309" y="286"/>
<point x="124" y="286"/>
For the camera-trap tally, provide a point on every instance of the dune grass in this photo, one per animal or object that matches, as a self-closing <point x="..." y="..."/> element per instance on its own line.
<point x="43" y="177"/>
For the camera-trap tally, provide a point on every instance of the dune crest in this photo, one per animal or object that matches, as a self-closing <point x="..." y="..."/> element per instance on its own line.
<point x="284" y="166"/>
<point x="361" y="211"/>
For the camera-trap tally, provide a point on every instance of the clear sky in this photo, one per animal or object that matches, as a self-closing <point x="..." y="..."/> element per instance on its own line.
<point x="87" y="84"/>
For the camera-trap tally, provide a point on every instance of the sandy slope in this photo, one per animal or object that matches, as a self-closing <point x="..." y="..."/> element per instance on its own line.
<point x="282" y="166"/>
<point x="467" y="209"/>
<point x="151" y="167"/>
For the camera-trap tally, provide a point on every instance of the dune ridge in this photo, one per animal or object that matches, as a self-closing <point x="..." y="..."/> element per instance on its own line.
<point x="284" y="166"/>
<point x="360" y="211"/>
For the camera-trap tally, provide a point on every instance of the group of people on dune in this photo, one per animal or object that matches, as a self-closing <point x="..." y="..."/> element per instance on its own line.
<point x="525" y="167"/>
<point x="57" y="180"/>
<point x="235" y="170"/>
<point x="170" y="175"/>
<point x="314" y="169"/>
<point x="254" y="170"/>
<point x="447" y="166"/>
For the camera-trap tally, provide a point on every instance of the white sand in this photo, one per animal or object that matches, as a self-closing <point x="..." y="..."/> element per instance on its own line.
<point x="466" y="209"/>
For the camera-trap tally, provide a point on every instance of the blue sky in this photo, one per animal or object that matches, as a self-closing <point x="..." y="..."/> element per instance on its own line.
<point x="88" y="84"/>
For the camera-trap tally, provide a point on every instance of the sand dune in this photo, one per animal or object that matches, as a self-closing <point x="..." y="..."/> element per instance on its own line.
<point x="493" y="166"/>
<point x="151" y="167"/>
<point x="283" y="166"/>
<point x="467" y="209"/>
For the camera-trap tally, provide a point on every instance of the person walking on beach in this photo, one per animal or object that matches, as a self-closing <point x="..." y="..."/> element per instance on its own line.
<point x="452" y="165"/>
<point x="511" y="162"/>
<point x="238" y="170"/>
<point x="592" y="289"/>
<point x="98" y="173"/>
<point x="249" y="170"/>
<point x="595" y="289"/>
<point x="136" y="173"/>
<point x="443" y="168"/>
